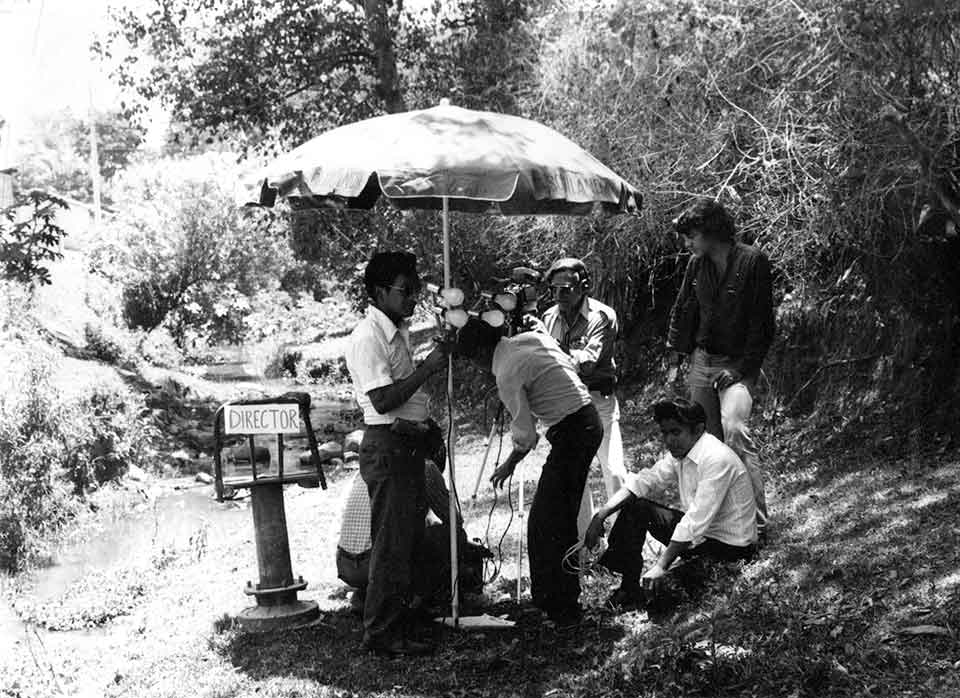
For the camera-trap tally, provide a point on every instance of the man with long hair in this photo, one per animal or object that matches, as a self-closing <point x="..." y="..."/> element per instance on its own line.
<point x="723" y="321"/>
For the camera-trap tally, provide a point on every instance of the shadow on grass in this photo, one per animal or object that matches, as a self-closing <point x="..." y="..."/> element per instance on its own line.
<point x="517" y="661"/>
<point x="860" y="552"/>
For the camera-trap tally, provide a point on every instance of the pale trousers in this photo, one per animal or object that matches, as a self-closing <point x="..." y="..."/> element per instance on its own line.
<point x="610" y="455"/>
<point x="736" y="403"/>
<point x="728" y="412"/>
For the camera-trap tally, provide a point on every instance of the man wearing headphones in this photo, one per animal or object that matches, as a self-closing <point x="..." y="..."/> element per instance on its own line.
<point x="586" y="330"/>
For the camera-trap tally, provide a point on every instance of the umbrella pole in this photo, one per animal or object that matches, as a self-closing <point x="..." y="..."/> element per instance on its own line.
<point x="451" y="469"/>
<point x="520" y="534"/>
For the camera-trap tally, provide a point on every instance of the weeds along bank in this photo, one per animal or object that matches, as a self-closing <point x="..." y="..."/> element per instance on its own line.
<point x="56" y="445"/>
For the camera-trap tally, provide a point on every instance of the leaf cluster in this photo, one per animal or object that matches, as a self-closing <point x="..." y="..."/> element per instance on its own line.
<point x="30" y="237"/>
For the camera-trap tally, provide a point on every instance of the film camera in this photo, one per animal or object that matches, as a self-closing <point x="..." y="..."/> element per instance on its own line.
<point x="510" y="303"/>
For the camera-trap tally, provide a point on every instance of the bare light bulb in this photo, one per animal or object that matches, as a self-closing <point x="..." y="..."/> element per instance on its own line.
<point x="453" y="297"/>
<point x="457" y="317"/>
<point x="507" y="301"/>
<point x="494" y="317"/>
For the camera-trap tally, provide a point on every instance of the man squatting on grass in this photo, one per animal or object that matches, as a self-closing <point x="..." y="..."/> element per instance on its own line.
<point x="389" y="391"/>
<point x="586" y="329"/>
<point x="723" y="319"/>
<point x="720" y="517"/>
<point x="432" y="579"/>
<point x="536" y="380"/>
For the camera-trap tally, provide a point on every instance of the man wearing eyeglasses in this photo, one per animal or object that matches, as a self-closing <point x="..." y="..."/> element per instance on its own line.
<point x="389" y="389"/>
<point x="586" y="330"/>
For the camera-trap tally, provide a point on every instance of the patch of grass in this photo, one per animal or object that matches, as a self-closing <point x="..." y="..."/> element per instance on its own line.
<point x="520" y="661"/>
<point x="859" y="550"/>
<point x="94" y="600"/>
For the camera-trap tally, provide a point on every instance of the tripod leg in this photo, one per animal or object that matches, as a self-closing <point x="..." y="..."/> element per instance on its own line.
<point x="486" y="455"/>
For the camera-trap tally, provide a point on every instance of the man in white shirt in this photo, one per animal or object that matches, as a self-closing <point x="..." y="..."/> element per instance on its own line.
<point x="720" y="517"/>
<point x="536" y="380"/>
<point x="388" y="388"/>
<point x="586" y="329"/>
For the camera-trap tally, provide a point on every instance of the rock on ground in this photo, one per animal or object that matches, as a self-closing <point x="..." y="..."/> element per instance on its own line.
<point x="353" y="440"/>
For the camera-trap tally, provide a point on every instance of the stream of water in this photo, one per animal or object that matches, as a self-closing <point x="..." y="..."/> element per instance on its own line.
<point x="167" y="520"/>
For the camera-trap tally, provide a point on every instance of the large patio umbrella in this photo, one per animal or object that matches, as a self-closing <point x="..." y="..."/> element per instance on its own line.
<point x="450" y="159"/>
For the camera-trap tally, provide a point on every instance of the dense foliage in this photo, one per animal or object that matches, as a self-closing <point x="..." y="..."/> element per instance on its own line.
<point x="829" y="128"/>
<point x="53" y="447"/>
<point x="185" y="257"/>
<point x="30" y="237"/>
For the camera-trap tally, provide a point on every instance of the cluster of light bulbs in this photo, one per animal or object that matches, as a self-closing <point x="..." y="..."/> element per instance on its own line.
<point x="495" y="315"/>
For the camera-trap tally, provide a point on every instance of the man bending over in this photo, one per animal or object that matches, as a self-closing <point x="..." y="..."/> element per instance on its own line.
<point x="536" y="380"/>
<point x="720" y="511"/>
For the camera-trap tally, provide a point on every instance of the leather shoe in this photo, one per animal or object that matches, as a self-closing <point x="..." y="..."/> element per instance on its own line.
<point x="627" y="598"/>
<point x="566" y="618"/>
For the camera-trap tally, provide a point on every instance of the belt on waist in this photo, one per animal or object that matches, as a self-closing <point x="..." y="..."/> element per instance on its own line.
<point x="574" y="416"/>
<point x="353" y="557"/>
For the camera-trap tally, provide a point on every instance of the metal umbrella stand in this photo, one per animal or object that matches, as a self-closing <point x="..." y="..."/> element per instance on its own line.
<point x="449" y="159"/>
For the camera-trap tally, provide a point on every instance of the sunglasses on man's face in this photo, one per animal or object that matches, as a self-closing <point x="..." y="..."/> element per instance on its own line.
<point x="407" y="291"/>
<point x="563" y="290"/>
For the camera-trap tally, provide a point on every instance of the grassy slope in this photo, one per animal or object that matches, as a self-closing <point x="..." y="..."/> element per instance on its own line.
<point x="860" y="551"/>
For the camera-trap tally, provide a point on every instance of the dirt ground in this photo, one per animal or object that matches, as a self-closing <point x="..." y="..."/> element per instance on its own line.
<point x="856" y="594"/>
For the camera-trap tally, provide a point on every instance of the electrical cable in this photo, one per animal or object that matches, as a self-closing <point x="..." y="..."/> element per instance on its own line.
<point x="573" y="560"/>
<point x="498" y="565"/>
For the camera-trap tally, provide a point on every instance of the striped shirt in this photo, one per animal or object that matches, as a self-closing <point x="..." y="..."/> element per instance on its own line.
<point x="536" y="380"/>
<point x="379" y="355"/>
<point x="716" y="493"/>
<point x="355" y="521"/>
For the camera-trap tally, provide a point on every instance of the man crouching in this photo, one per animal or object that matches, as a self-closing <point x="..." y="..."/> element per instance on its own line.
<point x="719" y="521"/>
<point x="536" y="380"/>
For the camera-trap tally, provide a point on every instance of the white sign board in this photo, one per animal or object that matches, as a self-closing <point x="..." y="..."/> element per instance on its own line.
<point x="261" y="419"/>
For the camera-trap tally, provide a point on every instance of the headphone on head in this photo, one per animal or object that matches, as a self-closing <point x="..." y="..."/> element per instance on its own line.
<point x="571" y="264"/>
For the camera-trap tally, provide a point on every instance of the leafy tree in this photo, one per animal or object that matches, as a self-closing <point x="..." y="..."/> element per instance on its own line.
<point x="30" y="237"/>
<point x="56" y="152"/>
<point x="261" y="73"/>
<point x="183" y="253"/>
<point x="272" y="74"/>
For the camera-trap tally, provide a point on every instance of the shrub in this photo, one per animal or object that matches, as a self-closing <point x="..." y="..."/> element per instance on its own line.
<point x="330" y="371"/>
<point x="185" y="256"/>
<point x="283" y="362"/>
<point x="107" y="344"/>
<point x="52" y="448"/>
<point x="159" y="348"/>
<point x="34" y="499"/>
<point x="103" y="434"/>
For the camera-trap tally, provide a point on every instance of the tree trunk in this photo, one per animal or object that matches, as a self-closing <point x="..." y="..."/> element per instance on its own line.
<point x="381" y="38"/>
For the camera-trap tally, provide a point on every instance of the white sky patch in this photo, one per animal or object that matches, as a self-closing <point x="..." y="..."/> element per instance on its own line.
<point x="46" y="65"/>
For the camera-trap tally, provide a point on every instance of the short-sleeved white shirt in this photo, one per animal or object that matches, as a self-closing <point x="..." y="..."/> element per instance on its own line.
<point x="536" y="381"/>
<point x="378" y="354"/>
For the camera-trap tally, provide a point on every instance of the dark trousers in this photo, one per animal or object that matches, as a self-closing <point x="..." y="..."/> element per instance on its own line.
<point x="391" y="465"/>
<point x="642" y="516"/>
<point x="552" y="527"/>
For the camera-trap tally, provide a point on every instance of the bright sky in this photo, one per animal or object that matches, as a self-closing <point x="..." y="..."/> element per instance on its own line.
<point x="45" y="61"/>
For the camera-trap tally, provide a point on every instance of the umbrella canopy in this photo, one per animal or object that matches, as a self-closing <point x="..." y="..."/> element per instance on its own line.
<point x="444" y="158"/>
<point x="479" y="161"/>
